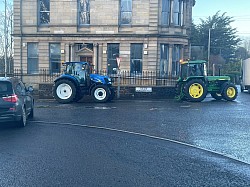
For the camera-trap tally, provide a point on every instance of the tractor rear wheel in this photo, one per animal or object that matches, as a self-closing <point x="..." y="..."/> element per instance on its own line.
<point x="64" y="91"/>
<point x="229" y="92"/>
<point x="100" y="93"/>
<point x="195" y="90"/>
<point x="216" y="96"/>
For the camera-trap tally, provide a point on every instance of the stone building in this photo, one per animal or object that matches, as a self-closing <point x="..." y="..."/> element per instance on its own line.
<point x="146" y="35"/>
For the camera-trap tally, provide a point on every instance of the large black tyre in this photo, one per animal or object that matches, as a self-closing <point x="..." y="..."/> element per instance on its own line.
<point x="23" y="121"/>
<point x="195" y="90"/>
<point x="112" y="94"/>
<point x="100" y="93"/>
<point x="216" y="96"/>
<point x="229" y="92"/>
<point x="31" y="115"/>
<point x="78" y="96"/>
<point x="64" y="91"/>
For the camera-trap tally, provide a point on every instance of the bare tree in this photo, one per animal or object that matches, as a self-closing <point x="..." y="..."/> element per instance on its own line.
<point x="8" y="20"/>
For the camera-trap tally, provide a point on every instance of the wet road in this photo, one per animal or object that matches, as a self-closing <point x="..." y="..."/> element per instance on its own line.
<point x="130" y="143"/>
<point x="218" y="126"/>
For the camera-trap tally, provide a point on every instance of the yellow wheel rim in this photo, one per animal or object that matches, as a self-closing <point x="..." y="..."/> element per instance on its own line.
<point x="231" y="92"/>
<point x="196" y="90"/>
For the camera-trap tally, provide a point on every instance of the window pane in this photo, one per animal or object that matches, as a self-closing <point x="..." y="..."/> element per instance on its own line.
<point x="44" y="17"/>
<point x="55" y="58"/>
<point x="126" y="18"/>
<point x="126" y="5"/>
<point x="32" y="61"/>
<point x="44" y="5"/>
<point x="177" y="12"/>
<point x="84" y="12"/>
<point x="126" y="12"/>
<point x="165" y="12"/>
<point x="136" y="59"/>
<point x="176" y="59"/>
<point x="113" y="53"/>
<point x="164" y="60"/>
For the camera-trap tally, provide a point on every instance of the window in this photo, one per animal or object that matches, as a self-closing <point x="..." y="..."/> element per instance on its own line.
<point x="113" y="53"/>
<point x="55" y="57"/>
<point x="178" y="12"/>
<point x="165" y="15"/>
<point x="32" y="59"/>
<point x="44" y="12"/>
<point x="136" y="59"/>
<point x="176" y="59"/>
<point x="164" y="60"/>
<point x="83" y="12"/>
<point x="126" y="12"/>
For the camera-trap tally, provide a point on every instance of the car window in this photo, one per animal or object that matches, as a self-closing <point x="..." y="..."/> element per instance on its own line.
<point x="5" y="88"/>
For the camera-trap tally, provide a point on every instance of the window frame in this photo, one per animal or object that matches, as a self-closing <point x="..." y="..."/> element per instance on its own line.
<point x="53" y="61"/>
<point x="86" y="13"/>
<point x="31" y="59"/>
<point x="178" y="9"/>
<point x="176" y="56"/>
<point x="113" y="50"/>
<point x="128" y="10"/>
<point x="165" y="21"/>
<point x="40" y="12"/>
<point x="164" y="59"/>
<point x="135" y="57"/>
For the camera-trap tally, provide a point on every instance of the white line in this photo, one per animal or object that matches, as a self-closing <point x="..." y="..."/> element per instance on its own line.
<point x="145" y="135"/>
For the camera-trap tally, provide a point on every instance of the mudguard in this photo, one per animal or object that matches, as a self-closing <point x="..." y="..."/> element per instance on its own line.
<point x="68" y="77"/>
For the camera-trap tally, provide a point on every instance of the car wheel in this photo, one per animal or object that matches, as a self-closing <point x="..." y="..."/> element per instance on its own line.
<point x="100" y="93"/>
<point x="195" y="90"/>
<point x="229" y="92"/>
<point x="23" y="120"/>
<point x="64" y="91"/>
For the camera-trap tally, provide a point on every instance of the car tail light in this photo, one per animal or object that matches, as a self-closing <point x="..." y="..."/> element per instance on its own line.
<point x="13" y="98"/>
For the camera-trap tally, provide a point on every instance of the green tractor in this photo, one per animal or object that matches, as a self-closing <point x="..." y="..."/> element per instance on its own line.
<point x="194" y="84"/>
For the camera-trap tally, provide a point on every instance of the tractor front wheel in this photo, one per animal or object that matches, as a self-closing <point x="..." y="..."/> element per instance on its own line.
<point x="195" y="90"/>
<point x="229" y="92"/>
<point x="64" y="91"/>
<point x="100" y="93"/>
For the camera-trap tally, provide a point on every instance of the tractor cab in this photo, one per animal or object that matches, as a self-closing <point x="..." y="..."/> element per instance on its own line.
<point x="192" y="69"/>
<point x="79" y="70"/>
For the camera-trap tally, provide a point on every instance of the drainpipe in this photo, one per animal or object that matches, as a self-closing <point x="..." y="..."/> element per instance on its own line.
<point x="97" y="58"/>
<point x="21" y="42"/>
<point x="5" y="40"/>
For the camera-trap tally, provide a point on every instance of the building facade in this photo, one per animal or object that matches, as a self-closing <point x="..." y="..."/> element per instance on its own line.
<point x="145" y="35"/>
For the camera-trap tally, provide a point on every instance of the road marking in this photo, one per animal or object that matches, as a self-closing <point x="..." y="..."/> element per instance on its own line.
<point x="145" y="135"/>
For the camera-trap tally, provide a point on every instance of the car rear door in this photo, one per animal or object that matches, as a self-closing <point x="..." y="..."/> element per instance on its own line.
<point x="24" y="96"/>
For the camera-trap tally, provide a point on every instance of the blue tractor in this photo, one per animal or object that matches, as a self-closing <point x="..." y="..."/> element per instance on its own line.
<point x="76" y="81"/>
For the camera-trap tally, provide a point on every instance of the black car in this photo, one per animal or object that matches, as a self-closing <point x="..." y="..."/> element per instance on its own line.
<point x="16" y="101"/>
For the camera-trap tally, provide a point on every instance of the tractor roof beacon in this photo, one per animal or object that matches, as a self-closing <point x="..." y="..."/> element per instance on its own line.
<point x="194" y="84"/>
<point x="76" y="81"/>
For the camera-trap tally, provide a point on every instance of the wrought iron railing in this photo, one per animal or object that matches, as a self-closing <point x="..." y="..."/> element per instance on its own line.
<point x="125" y="78"/>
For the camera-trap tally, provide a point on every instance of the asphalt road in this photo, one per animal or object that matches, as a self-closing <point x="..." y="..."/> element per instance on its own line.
<point x="130" y="143"/>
